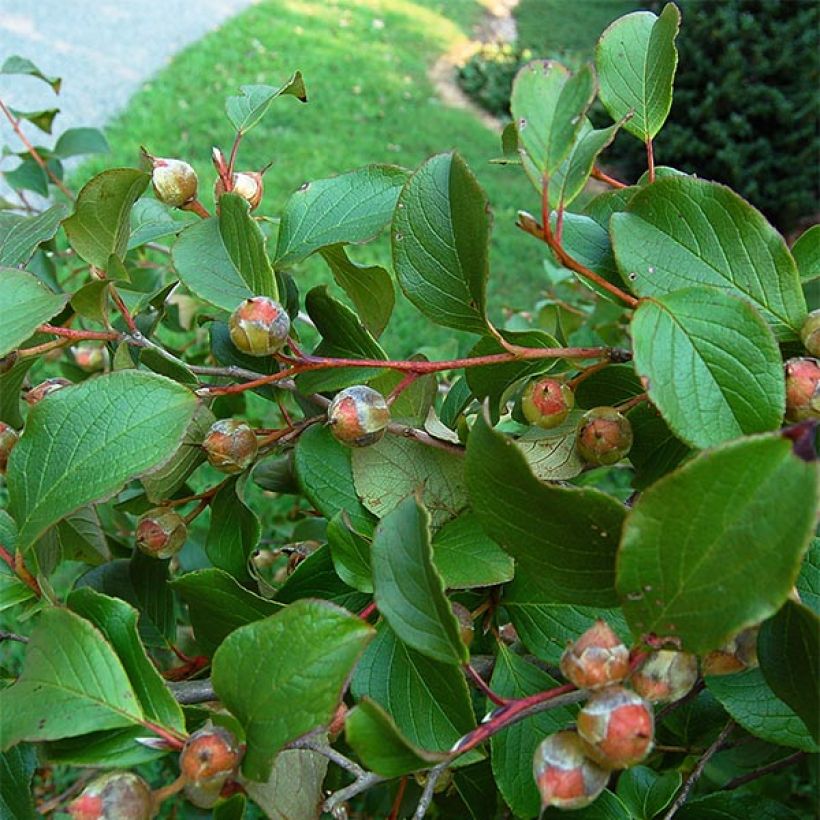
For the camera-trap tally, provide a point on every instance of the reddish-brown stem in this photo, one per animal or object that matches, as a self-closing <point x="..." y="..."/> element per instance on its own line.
<point x="402" y="386"/>
<point x="783" y="763"/>
<point x="18" y="566"/>
<point x="209" y="493"/>
<point x="70" y="333"/>
<point x="195" y="206"/>
<point x="201" y="507"/>
<point x="559" y="223"/>
<point x="126" y="314"/>
<point x="650" y="159"/>
<point x="394" y="811"/>
<point x="586" y="373"/>
<point x="232" y="160"/>
<point x="15" y="124"/>
<point x="43" y="348"/>
<point x="172" y="738"/>
<point x="597" y="173"/>
<point x="160" y="795"/>
<point x="279" y="435"/>
<point x="481" y="685"/>
<point x="368" y="610"/>
<point x="623" y="407"/>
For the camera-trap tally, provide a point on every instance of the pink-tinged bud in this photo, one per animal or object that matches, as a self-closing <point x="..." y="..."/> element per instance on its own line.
<point x="565" y="776"/>
<point x="617" y="727"/>
<point x="598" y="658"/>
<point x="161" y="532"/>
<point x="247" y="184"/>
<point x="259" y="326"/>
<point x="8" y="361"/>
<point x="114" y="796"/>
<point x="466" y="627"/>
<point x="44" y="389"/>
<point x="230" y="446"/>
<point x="338" y="722"/>
<point x="175" y="182"/>
<point x="802" y="389"/>
<point x="810" y="333"/>
<point x="89" y="357"/>
<point x="210" y="756"/>
<point x="665" y="676"/>
<point x="546" y="402"/>
<point x="604" y="436"/>
<point x="736" y="655"/>
<point x="8" y="438"/>
<point x="358" y="416"/>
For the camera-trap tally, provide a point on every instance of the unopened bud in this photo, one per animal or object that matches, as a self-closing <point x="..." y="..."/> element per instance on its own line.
<point x="810" y="333"/>
<point x="8" y="439"/>
<point x="465" y="622"/>
<point x="8" y="361"/>
<point x="604" y="436"/>
<point x="44" y="389"/>
<point x="617" y="727"/>
<point x="89" y="357"/>
<point x="259" y="326"/>
<point x="546" y="402"/>
<point x="210" y="756"/>
<point x="114" y="796"/>
<point x="736" y="655"/>
<point x="565" y="776"/>
<point x="175" y="182"/>
<point x="598" y="658"/>
<point x="161" y="532"/>
<point x="230" y="446"/>
<point x="247" y="184"/>
<point x="665" y="676"/>
<point x="358" y="416"/>
<point x="802" y="389"/>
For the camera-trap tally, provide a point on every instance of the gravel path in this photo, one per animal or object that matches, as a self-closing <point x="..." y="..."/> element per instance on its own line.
<point x="103" y="49"/>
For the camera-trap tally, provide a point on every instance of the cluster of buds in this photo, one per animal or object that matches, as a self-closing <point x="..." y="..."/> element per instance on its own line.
<point x="358" y="416"/>
<point x="615" y="729"/>
<point x="114" y="796"/>
<point x="208" y="760"/>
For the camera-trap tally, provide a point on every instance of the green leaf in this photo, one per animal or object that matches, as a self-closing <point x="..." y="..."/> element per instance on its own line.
<point x="349" y="208"/>
<point x="91" y="300"/>
<point x="234" y="531"/>
<point x="514" y="748"/>
<point x="151" y="220"/>
<point x="101" y="224"/>
<point x="710" y="364"/>
<point x="78" y="537"/>
<point x="545" y="625"/>
<point x="71" y="683"/>
<point x="655" y="449"/>
<point x="118" y="623"/>
<point x="750" y="702"/>
<point x="344" y="337"/>
<point x="86" y="441"/>
<point x="589" y="244"/>
<point x="20" y="65"/>
<point x="17" y="767"/>
<point x="231" y="808"/>
<point x="808" y="584"/>
<point x="735" y="806"/>
<point x="396" y="467"/>
<point x="440" y="237"/>
<point x="246" y="110"/>
<point x="466" y="557"/>
<point x="376" y="739"/>
<point x="806" y="253"/>
<point x="153" y="598"/>
<point x="408" y="589"/>
<point x="325" y="474"/>
<point x="246" y="245"/>
<point x="552" y="455"/>
<point x="284" y="676"/>
<point x="74" y="142"/>
<point x="162" y="483"/>
<point x="789" y="651"/>
<point x="645" y="792"/>
<point x="351" y="554"/>
<point x="112" y="749"/>
<point x="607" y="806"/>
<point x="682" y="231"/>
<point x="636" y="60"/>
<point x="25" y="303"/>
<point x="44" y="119"/>
<point x="548" y="106"/>
<point x="565" y="538"/>
<point x="218" y="604"/>
<point x="21" y="235"/>
<point x="370" y="288"/>
<point x="413" y="405"/>
<point x="429" y="701"/>
<point x="11" y="383"/>
<point x="28" y="176"/>
<point x="717" y="545"/>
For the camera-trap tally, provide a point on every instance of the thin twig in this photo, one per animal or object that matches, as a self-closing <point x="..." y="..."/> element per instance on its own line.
<point x="359" y="785"/>
<point x="320" y="746"/>
<point x="783" y="763"/>
<point x="597" y="173"/>
<point x="429" y="790"/>
<point x="190" y="692"/>
<point x="12" y="636"/>
<point x="695" y="774"/>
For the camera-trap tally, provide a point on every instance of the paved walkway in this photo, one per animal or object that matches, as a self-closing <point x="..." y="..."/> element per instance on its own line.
<point x="103" y="49"/>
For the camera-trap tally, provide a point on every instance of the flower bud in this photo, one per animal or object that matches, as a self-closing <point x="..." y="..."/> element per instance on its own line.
<point x="565" y="776"/>
<point x="617" y="727"/>
<point x="230" y="446"/>
<point x="546" y="402"/>
<point x="802" y="389"/>
<point x="89" y="357"/>
<point x="114" y="796"/>
<point x="174" y="181"/>
<point x="598" y="658"/>
<point x="736" y="655"/>
<point x="259" y="326"/>
<point x="247" y="184"/>
<point x="8" y="438"/>
<point x="465" y="622"/>
<point x="665" y="676"/>
<point x="210" y="756"/>
<point x="161" y="532"/>
<point x="604" y="436"/>
<point x="810" y="333"/>
<point x="8" y="361"/>
<point x="358" y="416"/>
<point x="44" y="389"/>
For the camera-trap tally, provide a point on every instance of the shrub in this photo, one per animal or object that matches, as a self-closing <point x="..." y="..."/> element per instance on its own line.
<point x="488" y="75"/>
<point x="234" y="500"/>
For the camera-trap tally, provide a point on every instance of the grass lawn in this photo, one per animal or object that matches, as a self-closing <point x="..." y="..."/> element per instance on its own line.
<point x="365" y="63"/>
